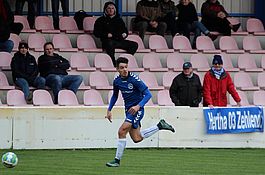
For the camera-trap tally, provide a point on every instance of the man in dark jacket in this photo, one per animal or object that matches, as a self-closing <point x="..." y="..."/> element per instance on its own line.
<point x="53" y="67"/>
<point x="25" y="71"/>
<point x="112" y="32"/>
<point x="186" y="88"/>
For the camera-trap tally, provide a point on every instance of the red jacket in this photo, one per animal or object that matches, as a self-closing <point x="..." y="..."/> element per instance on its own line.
<point x="214" y="90"/>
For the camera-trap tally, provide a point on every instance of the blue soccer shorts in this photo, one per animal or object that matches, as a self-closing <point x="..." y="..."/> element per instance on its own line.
<point x="135" y="119"/>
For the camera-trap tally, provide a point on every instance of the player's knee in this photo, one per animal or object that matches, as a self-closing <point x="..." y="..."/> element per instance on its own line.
<point x="122" y="133"/>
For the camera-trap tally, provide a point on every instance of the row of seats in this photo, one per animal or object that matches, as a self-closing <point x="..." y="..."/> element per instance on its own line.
<point x="68" y="25"/>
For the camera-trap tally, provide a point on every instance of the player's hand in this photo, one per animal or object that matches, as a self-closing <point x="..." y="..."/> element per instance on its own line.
<point x="109" y="35"/>
<point x="109" y="116"/>
<point x="124" y="35"/>
<point x="239" y="104"/>
<point x="210" y="106"/>
<point x="134" y="109"/>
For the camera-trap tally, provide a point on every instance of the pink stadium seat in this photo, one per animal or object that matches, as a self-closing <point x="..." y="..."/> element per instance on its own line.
<point x="227" y="63"/>
<point x="251" y="44"/>
<point x="175" y="62"/>
<point x="24" y="21"/>
<point x="4" y="83"/>
<point x="5" y="61"/>
<point x="103" y="62"/>
<point x="15" y="97"/>
<point x="205" y="44"/>
<point x="119" y="102"/>
<point x="88" y="24"/>
<point x="86" y="42"/>
<point x="244" y="99"/>
<point x="163" y="98"/>
<point x="234" y="21"/>
<point x="259" y="98"/>
<point x="63" y="43"/>
<point x="263" y="62"/>
<point x="99" y="80"/>
<point x="261" y="80"/>
<point x="229" y="45"/>
<point x="243" y="81"/>
<point x="141" y="47"/>
<point x="255" y="26"/>
<point x="93" y="97"/>
<point x="199" y="62"/>
<point x="67" y="98"/>
<point x="168" y="78"/>
<point x="16" y="39"/>
<point x="42" y="97"/>
<point x="247" y="63"/>
<point x="44" y="24"/>
<point x="158" y="43"/>
<point x="79" y="61"/>
<point x="67" y="24"/>
<point x="132" y="65"/>
<point x="182" y="44"/>
<point x="36" y="42"/>
<point x="152" y="63"/>
<point x="150" y="80"/>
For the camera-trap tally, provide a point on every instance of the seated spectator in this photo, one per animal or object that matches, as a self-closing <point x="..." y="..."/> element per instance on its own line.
<point x="25" y="71"/>
<point x="169" y="15"/>
<point x="214" y="17"/>
<point x="186" y="88"/>
<point x="149" y="18"/>
<point x="216" y="84"/>
<point x="112" y="32"/>
<point x="53" y="67"/>
<point x="188" y="22"/>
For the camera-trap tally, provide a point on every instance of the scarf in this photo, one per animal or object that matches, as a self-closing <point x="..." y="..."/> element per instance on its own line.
<point x="218" y="73"/>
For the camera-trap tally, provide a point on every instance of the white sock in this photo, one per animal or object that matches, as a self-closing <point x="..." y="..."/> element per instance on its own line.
<point x="120" y="148"/>
<point x="149" y="131"/>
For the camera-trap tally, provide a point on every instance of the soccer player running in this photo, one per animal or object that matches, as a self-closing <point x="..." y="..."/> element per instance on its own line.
<point x="135" y="94"/>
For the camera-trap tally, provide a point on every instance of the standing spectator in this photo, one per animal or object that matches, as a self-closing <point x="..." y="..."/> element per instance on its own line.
<point x="214" y="17"/>
<point x="112" y="32"/>
<point x="149" y="18"/>
<point x="186" y="88"/>
<point x="55" y="11"/>
<point x="188" y="22"/>
<point x="169" y="15"/>
<point x="53" y="67"/>
<point x="216" y="84"/>
<point x="25" y="71"/>
<point x="32" y="10"/>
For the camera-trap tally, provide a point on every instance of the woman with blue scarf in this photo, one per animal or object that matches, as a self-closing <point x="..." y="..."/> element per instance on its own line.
<point x="216" y="84"/>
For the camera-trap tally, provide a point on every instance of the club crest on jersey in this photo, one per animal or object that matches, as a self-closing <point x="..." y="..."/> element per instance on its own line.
<point x="130" y="86"/>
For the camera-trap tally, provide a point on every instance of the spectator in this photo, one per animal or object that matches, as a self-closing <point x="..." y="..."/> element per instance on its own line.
<point x="169" y="15"/>
<point x="25" y="71"/>
<point x="32" y="10"/>
<point x="53" y="67"/>
<point x="149" y="18"/>
<point x="112" y="32"/>
<point x="188" y="21"/>
<point x="7" y="26"/>
<point x="216" y="84"/>
<point x="214" y="17"/>
<point x="55" y="11"/>
<point x="186" y="88"/>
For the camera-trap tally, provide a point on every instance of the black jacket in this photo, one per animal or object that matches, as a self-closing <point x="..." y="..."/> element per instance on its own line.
<point x="24" y="66"/>
<point x="6" y="24"/>
<point x="186" y="91"/>
<point x="187" y="13"/>
<point x="55" y="64"/>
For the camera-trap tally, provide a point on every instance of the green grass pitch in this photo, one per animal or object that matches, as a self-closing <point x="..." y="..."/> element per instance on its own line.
<point x="139" y="161"/>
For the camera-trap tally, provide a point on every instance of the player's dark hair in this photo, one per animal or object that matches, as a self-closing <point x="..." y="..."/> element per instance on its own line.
<point x="121" y="60"/>
<point x="48" y="43"/>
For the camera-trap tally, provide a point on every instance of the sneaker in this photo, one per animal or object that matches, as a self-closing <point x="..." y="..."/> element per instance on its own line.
<point x="236" y="27"/>
<point x="163" y="125"/>
<point x="114" y="163"/>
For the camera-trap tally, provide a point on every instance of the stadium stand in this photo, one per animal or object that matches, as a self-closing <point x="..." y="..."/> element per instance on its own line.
<point x="158" y="44"/>
<point x="251" y="44"/>
<point x="63" y="43"/>
<point x="87" y="44"/>
<point x="255" y="26"/>
<point x="247" y="63"/>
<point x="243" y="82"/>
<point x="16" y="39"/>
<point x="151" y="62"/>
<point x="244" y="99"/>
<point x="79" y="62"/>
<point x="36" y="42"/>
<point x="24" y="21"/>
<point x="93" y="97"/>
<point x="175" y="62"/>
<point x="227" y="63"/>
<point x="44" y="24"/>
<point x="228" y="44"/>
<point x="199" y="62"/>
<point x="132" y="65"/>
<point x="99" y="81"/>
<point x="5" y="61"/>
<point x="67" y="24"/>
<point x="205" y="44"/>
<point x="103" y="62"/>
<point x="88" y="24"/>
<point x="67" y="98"/>
<point x="182" y="44"/>
<point x="168" y="78"/>
<point x="4" y="85"/>
<point x="163" y="98"/>
<point x="141" y="47"/>
<point x="15" y="97"/>
<point x="259" y="98"/>
<point x="150" y="80"/>
<point x="42" y="97"/>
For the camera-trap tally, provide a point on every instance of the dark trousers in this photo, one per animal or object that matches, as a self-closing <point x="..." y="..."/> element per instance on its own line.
<point x="219" y="25"/>
<point x="32" y="10"/>
<point x="144" y="26"/>
<point x="55" y="11"/>
<point x="110" y="45"/>
<point x="172" y="26"/>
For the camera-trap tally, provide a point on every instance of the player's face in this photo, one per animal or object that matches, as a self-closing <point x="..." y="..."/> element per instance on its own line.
<point x="217" y="66"/>
<point x="188" y="71"/>
<point x="123" y="69"/>
<point x="49" y="50"/>
<point x="110" y="10"/>
<point x="23" y="50"/>
<point x="185" y="2"/>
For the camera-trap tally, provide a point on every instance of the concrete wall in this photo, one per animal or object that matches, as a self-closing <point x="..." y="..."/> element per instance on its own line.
<point x="86" y="127"/>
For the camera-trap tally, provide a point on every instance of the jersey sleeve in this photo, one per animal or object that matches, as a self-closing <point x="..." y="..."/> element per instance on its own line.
<point x="114" y="97"/>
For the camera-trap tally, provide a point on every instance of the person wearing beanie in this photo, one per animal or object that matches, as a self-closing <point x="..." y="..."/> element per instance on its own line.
<point x="186" y="88"/>
<point x="111" y="30"/>
<point x="25" y="71"/>
<point x="217" y="82"/>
